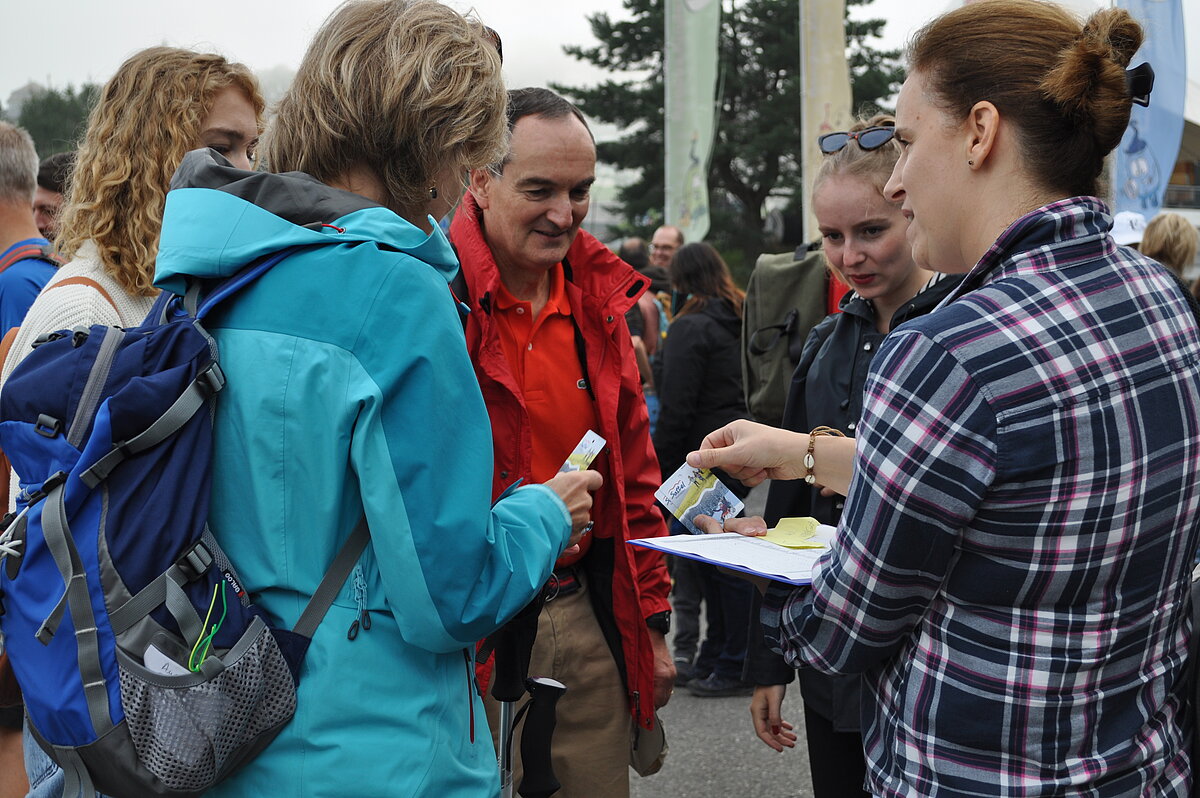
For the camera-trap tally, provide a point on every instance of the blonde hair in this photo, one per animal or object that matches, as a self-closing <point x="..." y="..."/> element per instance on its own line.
<point x="409" y="89"/>
<point x="148" y="117"/>
<point x="874" y="165"/>
<point x="1062" y="83"/>
<point x="1171" y="240"/>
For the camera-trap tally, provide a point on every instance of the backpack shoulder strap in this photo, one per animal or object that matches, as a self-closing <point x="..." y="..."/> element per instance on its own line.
<point x="240" y="280"/>
<point x="27" y="251"/>
<point x="333" y="580"/>
<point x="90" y="283"/>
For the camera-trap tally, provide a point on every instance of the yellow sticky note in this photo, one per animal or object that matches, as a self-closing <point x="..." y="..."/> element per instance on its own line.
<point x="794" y="533"/>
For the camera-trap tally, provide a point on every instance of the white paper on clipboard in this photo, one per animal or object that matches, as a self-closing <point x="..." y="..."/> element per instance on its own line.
<point x="750" y="555"/>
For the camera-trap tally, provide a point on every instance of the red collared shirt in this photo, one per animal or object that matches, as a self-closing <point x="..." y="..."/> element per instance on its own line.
<point x="542" y="356"/>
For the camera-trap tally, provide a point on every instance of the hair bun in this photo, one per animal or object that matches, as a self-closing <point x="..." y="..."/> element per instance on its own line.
<point x="1117" y="31"/>
<point x="1090" y="73"/>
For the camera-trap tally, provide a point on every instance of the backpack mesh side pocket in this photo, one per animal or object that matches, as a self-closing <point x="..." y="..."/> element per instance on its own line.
<point x="190" y="731"/>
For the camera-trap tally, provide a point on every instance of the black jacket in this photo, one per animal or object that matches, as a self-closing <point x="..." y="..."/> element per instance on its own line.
<point x="827" y="389"/>
<point x="701" y="385"/>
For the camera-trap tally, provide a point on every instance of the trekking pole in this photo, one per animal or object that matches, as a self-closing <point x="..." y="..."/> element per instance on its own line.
<point x="513" y="646"/>
<point x="539" y="780"/>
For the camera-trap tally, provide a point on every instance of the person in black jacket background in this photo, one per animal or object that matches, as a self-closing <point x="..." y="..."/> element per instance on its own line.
<point x="700" y="390"/>
<point x="865" y="244"/>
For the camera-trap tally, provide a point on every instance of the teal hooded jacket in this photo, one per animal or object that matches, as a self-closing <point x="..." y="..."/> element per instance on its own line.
<point x="350" y="392"/>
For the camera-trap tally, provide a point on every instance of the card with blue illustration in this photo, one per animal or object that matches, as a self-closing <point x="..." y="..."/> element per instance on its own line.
<point x="697" y="491"/>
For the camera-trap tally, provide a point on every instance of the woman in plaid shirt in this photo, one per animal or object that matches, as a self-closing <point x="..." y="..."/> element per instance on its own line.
<point x="1010" y="572"/>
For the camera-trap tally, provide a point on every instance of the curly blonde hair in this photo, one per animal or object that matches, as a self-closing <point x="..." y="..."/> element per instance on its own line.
<point x="148" y="116"/>
<point x="408" y="89"/>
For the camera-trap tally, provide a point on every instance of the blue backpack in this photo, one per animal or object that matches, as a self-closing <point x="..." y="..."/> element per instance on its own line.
<point x="145" y="668"/>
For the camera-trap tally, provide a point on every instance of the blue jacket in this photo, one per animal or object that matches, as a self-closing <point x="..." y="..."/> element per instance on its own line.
<point x="350" y="392"/>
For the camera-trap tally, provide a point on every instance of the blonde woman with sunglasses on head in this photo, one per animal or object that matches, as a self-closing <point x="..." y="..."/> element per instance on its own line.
<point x="864" y="240"/>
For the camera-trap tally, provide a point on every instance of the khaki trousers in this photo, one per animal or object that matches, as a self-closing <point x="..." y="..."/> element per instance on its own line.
<point x="590" y="749"/>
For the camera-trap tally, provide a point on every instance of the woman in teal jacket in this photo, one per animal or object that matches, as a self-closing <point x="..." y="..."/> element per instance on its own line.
<point x="349" y="392"/>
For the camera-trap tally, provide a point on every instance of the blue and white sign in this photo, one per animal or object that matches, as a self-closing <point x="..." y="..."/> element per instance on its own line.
<point x="1150" y="147"/>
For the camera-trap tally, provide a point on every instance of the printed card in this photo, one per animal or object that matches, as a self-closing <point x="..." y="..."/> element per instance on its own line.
<point x="585" y="452"/>
<point x="697" y="491"/>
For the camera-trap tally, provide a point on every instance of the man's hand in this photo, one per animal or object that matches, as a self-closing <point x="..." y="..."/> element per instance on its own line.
<point x="575" y="488"/>
<point x="754" y="526"/>
<point x="12" y="765"/>
<point x="664" y="669"/>
<point x="769" y="724"/>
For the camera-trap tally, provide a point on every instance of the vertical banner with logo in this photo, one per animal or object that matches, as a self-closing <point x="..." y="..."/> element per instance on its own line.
<point x="1147" y="153"/>
<point x="825" y="87"/>
<point x="692" y="27"/>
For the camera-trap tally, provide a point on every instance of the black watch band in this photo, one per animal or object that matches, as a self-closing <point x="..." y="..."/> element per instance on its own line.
<point x="660" y="621"/>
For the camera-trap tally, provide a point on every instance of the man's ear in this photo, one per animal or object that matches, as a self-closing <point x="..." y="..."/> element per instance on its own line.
<point x="481" y="186"/>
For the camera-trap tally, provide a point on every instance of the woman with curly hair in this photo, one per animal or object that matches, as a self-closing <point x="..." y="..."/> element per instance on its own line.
<point x="1012" y="567"/>
<point x="161" y="103"/>
<point x="350" y="396"/>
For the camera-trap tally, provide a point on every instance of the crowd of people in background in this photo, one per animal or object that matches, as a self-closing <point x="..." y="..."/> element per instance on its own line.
<point x="1000" y="418"/>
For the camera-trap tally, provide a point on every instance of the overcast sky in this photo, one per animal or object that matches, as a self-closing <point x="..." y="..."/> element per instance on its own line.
<point x="76" y="41"/>
<point x="61" y="42"/>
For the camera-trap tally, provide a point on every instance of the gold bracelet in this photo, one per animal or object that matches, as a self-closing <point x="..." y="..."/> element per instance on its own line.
<point x="810" y="462"/>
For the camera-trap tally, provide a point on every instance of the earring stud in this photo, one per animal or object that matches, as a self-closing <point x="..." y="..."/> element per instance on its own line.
<point x="433" y="192"/>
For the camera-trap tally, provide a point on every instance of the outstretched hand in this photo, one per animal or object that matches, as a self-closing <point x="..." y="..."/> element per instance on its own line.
<point x="752" y="452"/>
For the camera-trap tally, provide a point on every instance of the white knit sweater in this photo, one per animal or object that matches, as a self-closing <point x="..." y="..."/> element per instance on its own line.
<point x="71" y="306"/>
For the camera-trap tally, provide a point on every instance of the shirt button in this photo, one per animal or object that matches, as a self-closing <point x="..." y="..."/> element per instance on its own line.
<point x="529" y="347"/>
<point x="850" y="425"/>
<point x="867" y="346"/>
<point x="503" y="475"/>
<point x="844" y="404"/>
<point x="840" y="505"/>
<point x="520" y="311"/>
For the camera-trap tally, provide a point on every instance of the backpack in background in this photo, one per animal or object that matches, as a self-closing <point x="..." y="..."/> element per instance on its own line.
<point x="145" y="668"/>
<point x="785" y="298"/>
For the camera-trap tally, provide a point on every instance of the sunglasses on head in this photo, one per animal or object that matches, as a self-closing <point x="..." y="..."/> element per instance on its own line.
<point x="493" y="37"/>
<point x="870" y="139"/>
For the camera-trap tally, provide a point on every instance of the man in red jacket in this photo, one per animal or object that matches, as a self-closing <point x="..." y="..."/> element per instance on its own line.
<point x="553" y="357"/>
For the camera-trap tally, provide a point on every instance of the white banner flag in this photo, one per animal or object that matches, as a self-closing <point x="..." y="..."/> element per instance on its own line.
<point x="825" y="87"/>
<point x="692" y="27"/>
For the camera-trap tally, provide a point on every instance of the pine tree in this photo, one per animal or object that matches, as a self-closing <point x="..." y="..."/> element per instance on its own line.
<point x="56" y="119"/>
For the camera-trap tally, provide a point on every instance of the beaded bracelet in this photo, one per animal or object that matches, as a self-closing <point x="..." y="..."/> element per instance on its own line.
<point x="810" y="461"/>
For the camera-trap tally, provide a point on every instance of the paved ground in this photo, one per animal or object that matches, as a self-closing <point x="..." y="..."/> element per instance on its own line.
<point x="714" y="752"/>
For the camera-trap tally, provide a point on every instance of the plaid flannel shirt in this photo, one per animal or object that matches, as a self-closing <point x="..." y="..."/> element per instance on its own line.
<point x="1010" y="572"/>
